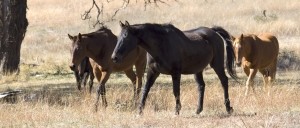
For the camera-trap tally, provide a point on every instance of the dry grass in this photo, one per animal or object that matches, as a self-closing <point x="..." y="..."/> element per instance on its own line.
<point x="61" y="105"/>
<point x="63" y="109"/>
<point x="45" y="57"/>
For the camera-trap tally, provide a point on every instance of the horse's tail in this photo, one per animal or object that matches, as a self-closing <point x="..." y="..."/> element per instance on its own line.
<point x="229" y="50"/>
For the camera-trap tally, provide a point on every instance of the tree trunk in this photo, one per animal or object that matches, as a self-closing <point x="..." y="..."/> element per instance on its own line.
<point x="13" y="24"/>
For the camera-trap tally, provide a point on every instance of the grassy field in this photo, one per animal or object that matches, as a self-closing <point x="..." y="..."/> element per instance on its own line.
<point x="50" y="98"/>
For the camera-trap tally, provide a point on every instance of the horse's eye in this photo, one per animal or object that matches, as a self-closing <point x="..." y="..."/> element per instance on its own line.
<point x="125" y="34"/>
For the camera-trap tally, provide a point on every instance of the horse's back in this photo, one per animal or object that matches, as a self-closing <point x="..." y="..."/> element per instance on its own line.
<point x="268" y="43"/>
<point x="270" y="39"/>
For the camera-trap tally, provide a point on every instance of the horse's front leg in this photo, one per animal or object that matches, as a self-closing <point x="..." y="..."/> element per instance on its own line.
<point x="85" y="78"/>
<point x="201" y="90"/>
<point x="151" y="77"/>
<point x="176" y="91"/>
<point x="91" y="82"/>
<point x="101" y="89"/>
<point x="131" y="75"/>
<point x="78" y="80"/>
<point x="249" y="82"/>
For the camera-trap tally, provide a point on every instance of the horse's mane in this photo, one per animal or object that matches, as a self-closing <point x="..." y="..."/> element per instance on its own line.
<point x="162" y="29"/>
<point x="103" y="28"/>
<point x="100" y="30"/>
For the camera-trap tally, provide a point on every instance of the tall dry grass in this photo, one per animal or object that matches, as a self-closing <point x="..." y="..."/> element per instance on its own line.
<point x="280" y="109"/>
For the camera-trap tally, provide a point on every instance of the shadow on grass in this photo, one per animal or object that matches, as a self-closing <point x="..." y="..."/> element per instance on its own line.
<point x="222" y="115"/>
<point x="53" y="94"/>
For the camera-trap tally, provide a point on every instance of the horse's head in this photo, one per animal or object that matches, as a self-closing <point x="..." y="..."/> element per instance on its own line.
<point x="127" y="41"/>
<point x="78" y="50"/>
<point x="238" y="49"/>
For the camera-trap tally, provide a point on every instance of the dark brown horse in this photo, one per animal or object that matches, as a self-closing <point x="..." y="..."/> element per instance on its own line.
<point x="98" y="46"/>
<point x="257" y="53"/>
<point x="83" y="72"/>
<point x="173" y="52"/>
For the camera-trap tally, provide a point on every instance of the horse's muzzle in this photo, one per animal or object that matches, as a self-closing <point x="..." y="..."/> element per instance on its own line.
<point x="115" y="59"/>
<point x="72" y="67"/>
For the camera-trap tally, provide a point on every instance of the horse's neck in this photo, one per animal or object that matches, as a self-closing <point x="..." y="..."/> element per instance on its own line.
<point x="100" y="51"/>
<point x="153" y="47"/>
<point x="248" y="51"/>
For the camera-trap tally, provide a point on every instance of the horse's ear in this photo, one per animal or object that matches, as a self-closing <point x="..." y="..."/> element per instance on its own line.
<point x="71" y="37"/>
<point x="126" y="23"/>
<point x="232" y="37"/>
<point x="79" y="36"/>
<point x="121" y="24"/>
<point x="242" y="36"/>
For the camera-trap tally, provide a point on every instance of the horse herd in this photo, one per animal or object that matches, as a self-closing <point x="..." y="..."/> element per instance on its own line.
<point x="167" y="50"/>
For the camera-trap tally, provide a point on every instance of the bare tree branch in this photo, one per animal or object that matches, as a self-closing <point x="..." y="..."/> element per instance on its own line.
<point x="87" y="16"/>
<point x="124" y="5"/>
<point x="100" y="10"/>
<point x="148" y="2"/>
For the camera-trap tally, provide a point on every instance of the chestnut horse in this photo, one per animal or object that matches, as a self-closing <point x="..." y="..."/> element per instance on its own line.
<point x="98" y="46"/>
<point x="173" y="52"/>
<point x="257" y="53"/>
<point x="83" y="72"/>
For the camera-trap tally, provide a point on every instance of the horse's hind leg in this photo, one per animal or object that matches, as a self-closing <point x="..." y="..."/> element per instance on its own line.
<point x="272" y="75"/>
<point x="201" y="88"/>
<point x="265" y="73"/>
<point x="224" y="81"/>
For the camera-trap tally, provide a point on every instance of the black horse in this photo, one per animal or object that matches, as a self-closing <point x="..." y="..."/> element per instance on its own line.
<point x="173" y="52"/>
<point x="83" y="72"/>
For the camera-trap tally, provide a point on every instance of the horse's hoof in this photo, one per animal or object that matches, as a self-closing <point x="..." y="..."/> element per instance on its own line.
<point x="199" y="111"/>
<point x="96" y="109"/>
<point x="230" y="110"/>
<point x="104" y="105"/>
<point x="140" y="112"/>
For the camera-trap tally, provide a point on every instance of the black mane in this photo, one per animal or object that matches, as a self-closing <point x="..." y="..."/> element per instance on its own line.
<point x="162" y="29"/>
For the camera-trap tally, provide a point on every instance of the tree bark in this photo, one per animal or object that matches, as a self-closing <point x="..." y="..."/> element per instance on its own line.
<point x="13" y="25"/>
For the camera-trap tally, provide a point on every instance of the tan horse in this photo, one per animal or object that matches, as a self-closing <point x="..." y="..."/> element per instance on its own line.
<point x="98" y="46"/>
<point x="257" y="53"/>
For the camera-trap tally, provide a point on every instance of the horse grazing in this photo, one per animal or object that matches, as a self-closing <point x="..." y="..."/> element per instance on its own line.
<point x="257" y="53"/>
<point x="173" y="52"/>
<point x="98" y="46"/>
<point x="83" y="72"/>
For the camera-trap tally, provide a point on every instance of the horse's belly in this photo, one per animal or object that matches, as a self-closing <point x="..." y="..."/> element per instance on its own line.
<point x="194" y="68"/>
<point x="190" y="68"/>
<point x="122" y="66"/>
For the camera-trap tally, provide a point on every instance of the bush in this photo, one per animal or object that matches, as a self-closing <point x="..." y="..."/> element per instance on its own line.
<point x="288" y="60"/>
